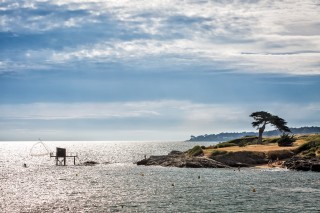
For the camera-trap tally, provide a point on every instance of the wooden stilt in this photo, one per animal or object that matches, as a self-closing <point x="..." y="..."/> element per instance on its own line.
<point x="61" y="153"/>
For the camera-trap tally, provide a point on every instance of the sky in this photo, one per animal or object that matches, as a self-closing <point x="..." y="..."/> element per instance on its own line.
<point x="158" y="70"/>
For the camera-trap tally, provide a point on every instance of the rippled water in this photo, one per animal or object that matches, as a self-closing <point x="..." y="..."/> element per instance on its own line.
<point x="121" y="186"/>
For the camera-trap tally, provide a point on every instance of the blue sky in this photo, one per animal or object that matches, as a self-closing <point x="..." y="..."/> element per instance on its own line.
<point x="156" y="70"/>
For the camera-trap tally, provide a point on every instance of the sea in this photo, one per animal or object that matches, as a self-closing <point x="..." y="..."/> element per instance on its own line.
<point x="30" y="181"/>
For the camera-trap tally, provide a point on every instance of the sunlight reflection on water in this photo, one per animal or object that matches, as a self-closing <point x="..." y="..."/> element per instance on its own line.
<point x="121" y="186"/>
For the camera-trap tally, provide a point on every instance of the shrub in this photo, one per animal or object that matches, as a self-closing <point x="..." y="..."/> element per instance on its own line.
<point x="225" y="144"/>
<point x="195" y="151"/>
<point x="247" y="140"/>
<point x="211" y="147"/>
<point x="242" y="144"/>
<point x="270" y="140"/>
<point x="286" y="140"/>
<point x="203" y="147"/>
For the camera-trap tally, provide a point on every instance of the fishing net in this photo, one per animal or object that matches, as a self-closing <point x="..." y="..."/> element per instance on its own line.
<point x="39" y="149"/>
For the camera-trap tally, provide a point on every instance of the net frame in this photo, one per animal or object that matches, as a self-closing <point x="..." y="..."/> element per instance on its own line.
<point x="48" y="151"/>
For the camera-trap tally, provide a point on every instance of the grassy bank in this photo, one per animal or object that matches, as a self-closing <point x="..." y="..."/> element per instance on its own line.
<point x="245" y="152"/>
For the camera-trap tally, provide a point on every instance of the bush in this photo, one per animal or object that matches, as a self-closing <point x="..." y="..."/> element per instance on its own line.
<point x="286" y="140"/>
<point x="225" y="144"/>
<point x="270" y="140"/>
<point x="203" y="147"/>
<point x="195" y="151"/>
<point x="247" y="140"/>
<point x="242" y="144"/>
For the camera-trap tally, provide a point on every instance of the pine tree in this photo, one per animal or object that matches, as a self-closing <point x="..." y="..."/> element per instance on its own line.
<point x="262" y="118"/>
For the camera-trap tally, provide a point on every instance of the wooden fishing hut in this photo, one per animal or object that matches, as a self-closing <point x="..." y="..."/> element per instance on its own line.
<point x="61" y="156"/>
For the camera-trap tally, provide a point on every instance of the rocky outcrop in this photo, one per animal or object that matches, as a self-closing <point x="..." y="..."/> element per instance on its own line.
<point x="227" y="160"/>
<point x="89" y="163"/>
<point x="303" y="164"/>
<point x="241" y="159"/>
<point x="181" y="159"/>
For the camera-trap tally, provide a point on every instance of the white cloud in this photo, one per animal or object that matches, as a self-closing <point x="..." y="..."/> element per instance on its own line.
<point x="145" y="120"/>
<point x="185" y="112"/>
<point x="56" y="111"/>
<point x="281" y="36"/>
<point x="287" y="60"/>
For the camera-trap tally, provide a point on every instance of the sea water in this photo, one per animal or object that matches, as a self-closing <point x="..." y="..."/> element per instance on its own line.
<point x="116" y="184"/>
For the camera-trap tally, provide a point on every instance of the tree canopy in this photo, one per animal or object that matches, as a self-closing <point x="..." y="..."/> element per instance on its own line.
<point x="262" y="118"/>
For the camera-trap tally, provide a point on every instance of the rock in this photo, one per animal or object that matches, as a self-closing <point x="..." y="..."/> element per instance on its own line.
<point x="303" y="164"/>
<point x="142" y="162"/>
<point x="181" y="159"/>
<point x="89" y="163"/>
<point x="175" y="152"/>
<point x="241" y="159"/>
<point x="279" y="154"/>
<point x="315" y="167"/>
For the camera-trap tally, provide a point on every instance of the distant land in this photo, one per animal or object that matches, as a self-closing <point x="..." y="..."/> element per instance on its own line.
<point x="225" y="136"/>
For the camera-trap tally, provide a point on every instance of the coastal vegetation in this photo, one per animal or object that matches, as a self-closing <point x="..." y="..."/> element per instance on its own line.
<point x="196" y="151"/>
<point x="311" y="148"/>
<point x="286" y="140"/>
<point x="299" y="144"/>
<point x="291" y="151"/>
<point x="245" y="152"/>
<point x="262" y="118"/>
<point x="225" y="136"/>
<point x="251" y="140"/>
<point x="302" y="152"/>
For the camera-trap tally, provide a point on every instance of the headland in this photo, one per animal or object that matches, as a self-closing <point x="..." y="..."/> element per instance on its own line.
<point x="300" y="152"/>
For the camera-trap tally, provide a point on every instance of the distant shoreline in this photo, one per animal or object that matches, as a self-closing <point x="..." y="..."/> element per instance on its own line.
<point x="225" y="136"/>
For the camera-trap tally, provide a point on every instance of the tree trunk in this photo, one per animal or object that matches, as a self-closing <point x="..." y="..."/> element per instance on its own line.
<point x="260" y="136"/>
<point x="261" y="130"/>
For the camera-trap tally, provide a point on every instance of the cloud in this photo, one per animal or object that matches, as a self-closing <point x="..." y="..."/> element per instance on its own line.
<point x="140" y="120"/>
<point x="40" y="16"/>
<point x="199" y="52"/>
<point x="185" y="111"/>
<point x="56" y="111"/>
<point x="281" y="37"/>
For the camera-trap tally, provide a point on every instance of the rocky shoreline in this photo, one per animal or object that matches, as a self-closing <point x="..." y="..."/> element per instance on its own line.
<point x="303" y="164"/>
<point x="236" y="159"/>
<point x="181" y="159"/>
<point x="303" y="155"/>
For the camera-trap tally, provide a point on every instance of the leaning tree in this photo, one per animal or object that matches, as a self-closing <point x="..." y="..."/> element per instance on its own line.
<point x="262" y="118"/>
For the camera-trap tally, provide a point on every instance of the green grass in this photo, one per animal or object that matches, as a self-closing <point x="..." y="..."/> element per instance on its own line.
<point x="310" y="148"/>
<point x="225" y="144"/>
<point x="246" y="140"/>
<point x="195" y="151"/>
